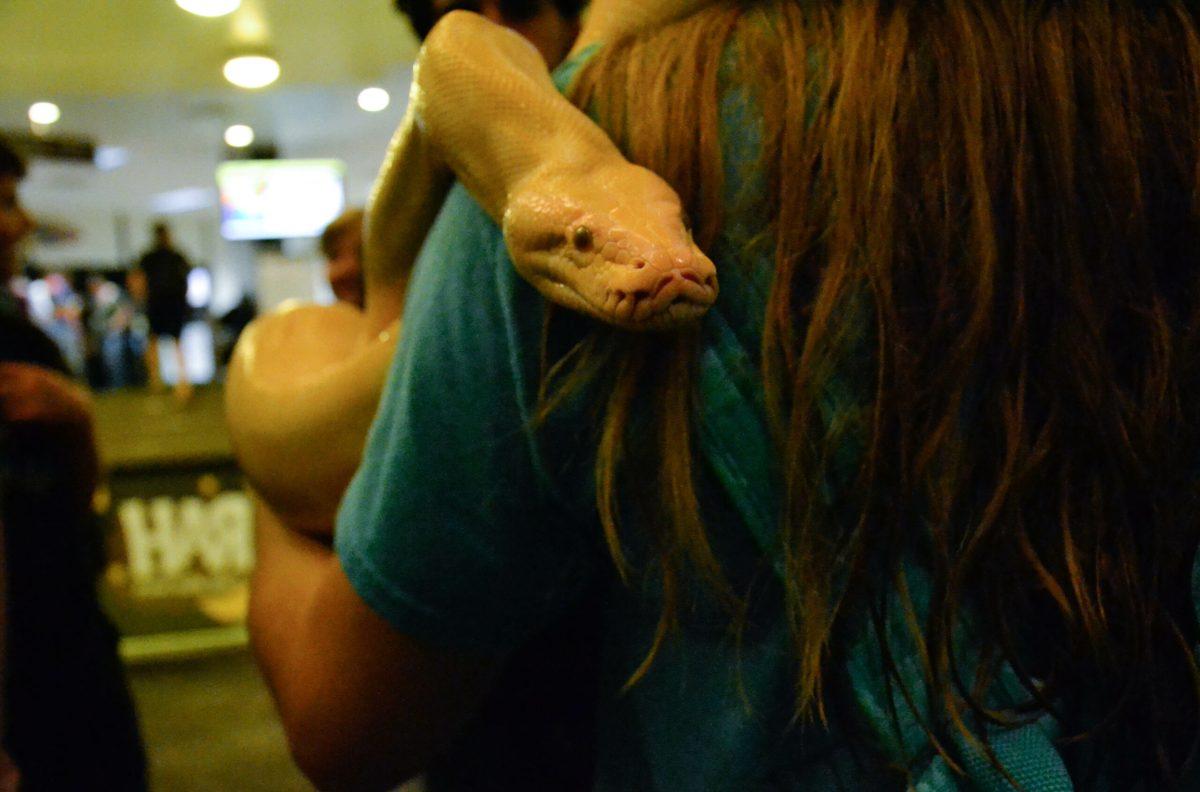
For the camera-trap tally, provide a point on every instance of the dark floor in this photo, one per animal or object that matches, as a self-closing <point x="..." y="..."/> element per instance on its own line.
<point x="209" y="725"/>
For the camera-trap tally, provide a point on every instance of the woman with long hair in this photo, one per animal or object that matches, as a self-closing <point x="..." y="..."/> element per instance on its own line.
<point x="977" y="356"/>
<point x="914" y="504"/>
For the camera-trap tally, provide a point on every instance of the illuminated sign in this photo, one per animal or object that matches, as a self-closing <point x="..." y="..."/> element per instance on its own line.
<point x="186" y="547"/>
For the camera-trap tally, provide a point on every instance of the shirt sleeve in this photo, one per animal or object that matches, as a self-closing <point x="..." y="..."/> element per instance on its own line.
<point x="449" y="530"/>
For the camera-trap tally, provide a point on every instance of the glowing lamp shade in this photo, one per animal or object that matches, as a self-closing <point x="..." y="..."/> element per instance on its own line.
<point x="44" y="113"/>
<point x="373" y="99"/>
<point x="209" y="8"/>
<point x="251" y="71"/>
<point x="239" y="136"/>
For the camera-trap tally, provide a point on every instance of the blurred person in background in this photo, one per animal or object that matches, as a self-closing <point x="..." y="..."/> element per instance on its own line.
<point x="92" y="318"/>
<point x="159" y="283"/>
<point x="68" y="718"/>
<point x="341" y="243"/>
<point x="107" y="318"/>
<point x="229" y="326"/>
<point x="15" y="226"/>
<point x="64" y="321"/>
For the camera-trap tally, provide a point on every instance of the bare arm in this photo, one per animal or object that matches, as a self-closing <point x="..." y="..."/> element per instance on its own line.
<point x="364" y="707"/>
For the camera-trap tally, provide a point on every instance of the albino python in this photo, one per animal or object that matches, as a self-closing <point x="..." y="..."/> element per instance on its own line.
<point x="588" y="229"/>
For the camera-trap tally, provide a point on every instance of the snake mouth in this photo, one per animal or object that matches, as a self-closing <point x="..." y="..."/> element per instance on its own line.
<point x="676" y="297"/>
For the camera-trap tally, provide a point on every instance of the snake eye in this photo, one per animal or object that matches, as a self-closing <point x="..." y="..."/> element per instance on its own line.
<point x="582" y="239"/>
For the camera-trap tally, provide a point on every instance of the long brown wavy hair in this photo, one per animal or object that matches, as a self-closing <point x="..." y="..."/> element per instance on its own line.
<point x="993" y="210"/>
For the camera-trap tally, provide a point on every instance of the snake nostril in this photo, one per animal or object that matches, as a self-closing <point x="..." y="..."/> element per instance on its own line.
<point x="639" y="264"/>
<point x="621" y="295"/>
<point x="692" y="277"/>
<point x="711" y="281"/>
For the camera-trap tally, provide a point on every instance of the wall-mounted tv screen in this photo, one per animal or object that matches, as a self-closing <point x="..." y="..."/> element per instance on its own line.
<point x="279" y="199"/>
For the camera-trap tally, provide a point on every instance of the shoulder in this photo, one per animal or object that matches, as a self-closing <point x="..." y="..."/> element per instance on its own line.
<point x="468" y="316"/>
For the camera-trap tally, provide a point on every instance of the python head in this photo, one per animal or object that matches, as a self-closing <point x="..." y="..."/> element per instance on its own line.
<point x="612" y="244"/>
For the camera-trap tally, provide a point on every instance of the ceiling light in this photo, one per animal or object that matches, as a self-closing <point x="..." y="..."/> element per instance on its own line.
<point x="44" y="113"/>
<point x="251" y="71"/>
<point x="239" y="136"/>
<point x="373" y="99"/>
<point x="209" y="8"/>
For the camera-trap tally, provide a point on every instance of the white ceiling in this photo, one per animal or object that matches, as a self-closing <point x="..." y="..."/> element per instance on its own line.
<point x="145" y="76"/>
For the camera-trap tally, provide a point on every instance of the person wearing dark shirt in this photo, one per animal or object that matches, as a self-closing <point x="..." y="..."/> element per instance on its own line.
<point x="160" y="282"/>
<point x="68" y="718"/>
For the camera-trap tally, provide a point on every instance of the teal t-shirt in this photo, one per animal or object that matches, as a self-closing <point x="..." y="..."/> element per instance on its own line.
<point x="461" y="531"/>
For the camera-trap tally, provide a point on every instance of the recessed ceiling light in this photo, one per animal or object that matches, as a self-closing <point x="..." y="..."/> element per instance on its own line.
<point x="373" y="99"/>
<point x="251" y="71"/>
<point x="239" y="136"/>
<point x="44" y="113"/>
<point x="209" y="8"/>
